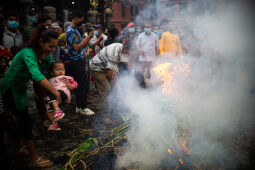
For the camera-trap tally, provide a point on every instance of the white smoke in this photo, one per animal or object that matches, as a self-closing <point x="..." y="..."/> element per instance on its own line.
<point x="212" y="103"/>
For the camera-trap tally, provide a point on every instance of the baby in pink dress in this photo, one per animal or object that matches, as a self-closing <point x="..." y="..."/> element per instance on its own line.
<point x="64" y="84"/>
<point x="59" y="84"/>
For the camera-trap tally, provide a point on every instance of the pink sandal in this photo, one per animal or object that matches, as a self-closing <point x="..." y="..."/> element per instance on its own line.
<point x="58" y="114"/>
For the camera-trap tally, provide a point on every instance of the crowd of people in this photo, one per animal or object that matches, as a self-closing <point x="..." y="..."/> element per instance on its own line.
<point x="64" y="59"/>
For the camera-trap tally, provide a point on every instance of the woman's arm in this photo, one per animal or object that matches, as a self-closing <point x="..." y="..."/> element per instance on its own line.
<point x="46" y="84"/>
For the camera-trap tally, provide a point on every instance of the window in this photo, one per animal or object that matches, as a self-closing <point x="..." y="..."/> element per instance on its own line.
<point x="131" y="10"/>
<point x="123" y="12"/>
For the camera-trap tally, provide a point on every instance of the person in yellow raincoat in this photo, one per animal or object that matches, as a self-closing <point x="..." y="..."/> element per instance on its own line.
<point x="169" y="44"/>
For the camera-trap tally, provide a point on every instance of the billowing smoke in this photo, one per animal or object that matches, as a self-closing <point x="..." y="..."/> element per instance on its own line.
<point x="208" y="107"/>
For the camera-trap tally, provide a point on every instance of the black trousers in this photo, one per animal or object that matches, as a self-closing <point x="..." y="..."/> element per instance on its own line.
<point x="78" y="72"/>
<point x="3" y="155"/>
<point x="39" y="100"/>
<point x="24" y="123"/>
<point x="51" y="98"/>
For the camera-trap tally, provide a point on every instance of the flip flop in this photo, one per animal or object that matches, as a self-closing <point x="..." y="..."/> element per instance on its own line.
<point x="41" y="163"/>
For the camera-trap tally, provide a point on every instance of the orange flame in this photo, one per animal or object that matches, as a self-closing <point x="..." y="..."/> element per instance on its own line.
<point x="166" y="76"/>
<point x="170" y="152"/>
<point x="166" y="73"/>
<point x="184" y="144"/>
<point x="181" y="161"/>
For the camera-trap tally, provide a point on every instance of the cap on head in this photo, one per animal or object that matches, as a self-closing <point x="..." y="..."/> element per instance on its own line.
<point x="98" y="26"/>
<point x="131" y="24"/>
<point x="66" y="25"/>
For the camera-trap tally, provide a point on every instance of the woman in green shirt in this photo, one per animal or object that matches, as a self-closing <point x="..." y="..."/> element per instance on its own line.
<point x="28" y="64"/>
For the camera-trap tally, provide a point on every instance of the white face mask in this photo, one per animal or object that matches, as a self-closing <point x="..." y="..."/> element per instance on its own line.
<point x="147" y="30"/>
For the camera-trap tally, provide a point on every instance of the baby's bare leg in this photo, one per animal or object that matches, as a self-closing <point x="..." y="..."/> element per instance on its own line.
<point x="55" y="105"/>
<point x="51" y="116"/>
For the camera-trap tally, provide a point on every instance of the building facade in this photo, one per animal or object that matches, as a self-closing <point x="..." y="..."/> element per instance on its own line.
<point x="125" y="11"/>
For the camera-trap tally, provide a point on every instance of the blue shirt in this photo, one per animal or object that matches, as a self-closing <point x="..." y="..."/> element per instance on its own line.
<point x="74" y="36"/>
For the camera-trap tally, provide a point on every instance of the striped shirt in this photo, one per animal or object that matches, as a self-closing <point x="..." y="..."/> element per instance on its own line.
<point x="74" y="36"/>
<point x="107" y="58"/>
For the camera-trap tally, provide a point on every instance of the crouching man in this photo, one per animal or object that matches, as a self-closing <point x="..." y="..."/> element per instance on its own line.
<point x="104" y="70"/>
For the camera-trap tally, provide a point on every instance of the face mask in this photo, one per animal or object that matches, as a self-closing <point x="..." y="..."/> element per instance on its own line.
<point x="138" y="30"/>
<point x="79" y="24"/>
<point x="62" y="47"/>
<point x="32" y="19"/>
<point x="156" y="32"/>
<point x="13" y="24"/>
<point x="96" y="33"/>
<point x="147" y="30"/>
<point x="131" y="30"/>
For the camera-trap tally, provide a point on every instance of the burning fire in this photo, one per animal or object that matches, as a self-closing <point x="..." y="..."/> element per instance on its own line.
<point x="181" y="161"/>
<point x="185" y="148"/>
<point x="170" y="152"/>
<point x="184" y="144"/>
<point x="167" y="72"/>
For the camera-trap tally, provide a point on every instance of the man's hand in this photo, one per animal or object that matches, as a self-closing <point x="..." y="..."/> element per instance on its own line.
<point x="97" y="42"/>
<point x="91" y="34"/>
<point x="100" y="39"/>
<point x="141" y="52"/>
<point x="157" y="52"/>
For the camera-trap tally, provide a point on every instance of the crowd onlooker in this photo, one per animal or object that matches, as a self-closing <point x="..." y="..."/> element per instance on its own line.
<point x="99" y="38"/>
<point x="148" y="46"/>
<point x="170" y="44"/>
<point x="76" y="54"/>
<point x="12" y="38"/>
<point x="32" y="22"/>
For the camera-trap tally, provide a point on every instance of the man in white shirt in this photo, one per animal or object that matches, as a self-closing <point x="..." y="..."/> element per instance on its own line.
<point x="98" y="40"/>
<point x="104" y="68"/>
<point x="147" y="44"/>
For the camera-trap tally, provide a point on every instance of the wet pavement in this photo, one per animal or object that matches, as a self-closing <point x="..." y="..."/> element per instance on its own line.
<point x="75" y="128"/>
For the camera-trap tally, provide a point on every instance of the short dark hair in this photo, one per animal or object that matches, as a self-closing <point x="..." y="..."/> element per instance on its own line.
<point x="12" y="13"/>
<point x="113" y="32"/>
<point x="55" y="63"/>
<point x="90" y="29"/>
<point x="43" y="18"/>
<point x="98" y="26"/>
<point x="77" y="13"/>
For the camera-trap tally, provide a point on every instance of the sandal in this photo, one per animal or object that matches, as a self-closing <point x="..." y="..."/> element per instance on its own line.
<point x="23" y="151"/>
<point x="41" y="163"/>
